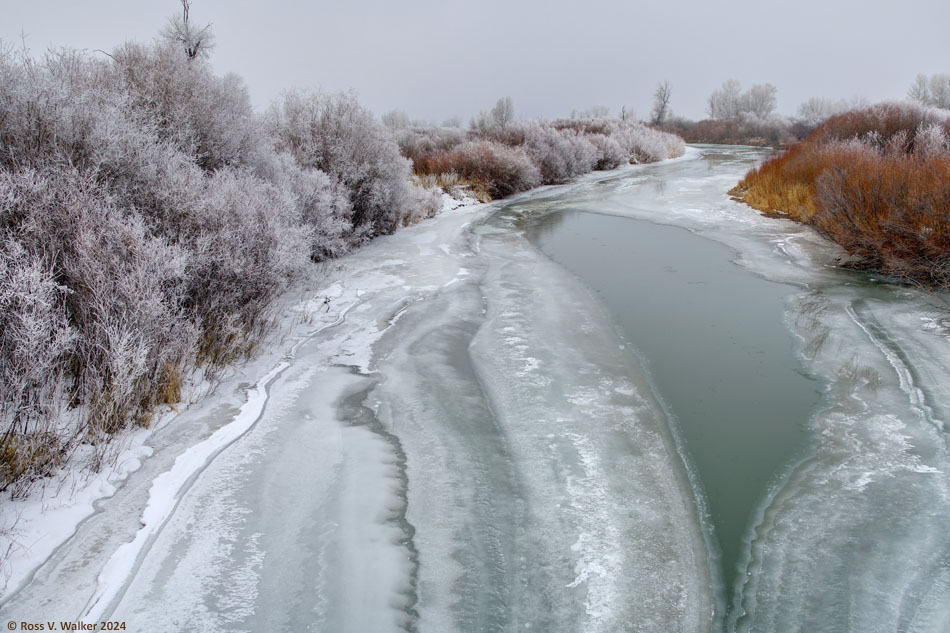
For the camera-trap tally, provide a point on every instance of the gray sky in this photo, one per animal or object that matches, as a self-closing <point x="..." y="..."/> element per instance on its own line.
<point x="436" y="59"/>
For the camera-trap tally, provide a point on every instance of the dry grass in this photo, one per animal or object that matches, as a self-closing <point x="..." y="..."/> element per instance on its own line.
<point x="785" y="185"/>
<point x="26" y="457"/>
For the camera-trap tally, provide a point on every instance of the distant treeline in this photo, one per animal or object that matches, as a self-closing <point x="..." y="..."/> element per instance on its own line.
<point x="738" y="117"/>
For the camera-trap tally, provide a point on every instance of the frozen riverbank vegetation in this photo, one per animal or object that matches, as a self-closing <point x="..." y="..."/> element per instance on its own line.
<point x="499" y="156"/>
<point x="874" y="181"/>
<point x="148" y="221"/>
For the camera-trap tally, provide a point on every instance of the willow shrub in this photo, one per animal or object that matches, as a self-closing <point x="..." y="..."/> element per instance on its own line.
<point x="874" y="181"/>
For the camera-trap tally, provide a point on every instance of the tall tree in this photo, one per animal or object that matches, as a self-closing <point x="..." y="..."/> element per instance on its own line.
<point x="760" y="100"/>
<point x="197" y="42"/>
<point x="726" y="103"/>
<point x="661" y="103"/>
<point x="503" y="112"/>
<point x="920" y="90"/>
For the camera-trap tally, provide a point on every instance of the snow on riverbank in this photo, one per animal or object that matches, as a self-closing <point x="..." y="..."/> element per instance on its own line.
<point x="31" y="529"/>
<point x="140" y="494"/>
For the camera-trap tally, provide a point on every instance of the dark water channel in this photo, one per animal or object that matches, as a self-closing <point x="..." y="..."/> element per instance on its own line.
<point x="712" y="336"/>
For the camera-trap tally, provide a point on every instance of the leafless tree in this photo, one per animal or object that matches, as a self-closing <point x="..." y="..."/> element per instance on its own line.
<point x="940" y="91"/>
<point x="661" y="103"/>
<point x="503" y="113"/>
<point x="395" y="120"/>
<point x="817" y="109"/>
<point x="919" y="90"/>
<point x="726" y="103"/>
<point x="760" y="100"/>
<point x="197" y="42"/>
<point x="933" y="91"/>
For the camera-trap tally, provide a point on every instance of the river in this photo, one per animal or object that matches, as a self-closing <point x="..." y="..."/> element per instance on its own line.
<point x="624" y="404"/>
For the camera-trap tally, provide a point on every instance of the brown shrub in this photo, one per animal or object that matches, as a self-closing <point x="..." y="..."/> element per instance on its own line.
<point x="757" y="132"/>
<point x="878" y="125"/>
<point x="876" y="182"/>
<point x="499" y="170"/>
<point x="889" y="211"/>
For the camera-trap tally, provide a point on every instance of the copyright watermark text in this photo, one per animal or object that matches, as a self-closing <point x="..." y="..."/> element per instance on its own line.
<point x="62" y="625"/>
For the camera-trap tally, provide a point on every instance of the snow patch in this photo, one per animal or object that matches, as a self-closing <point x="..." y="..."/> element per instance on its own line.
<point x="167" y="490"/>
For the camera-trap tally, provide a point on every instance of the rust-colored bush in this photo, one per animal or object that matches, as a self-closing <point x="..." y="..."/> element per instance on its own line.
<point x="890" y="212"/>
<point x="499" y="169"/>
<point x="876" y="181"/>
<point x="878" y="124"/>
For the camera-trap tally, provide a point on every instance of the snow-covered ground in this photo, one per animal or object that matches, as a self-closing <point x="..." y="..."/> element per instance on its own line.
<point x="459" y="441"/>
<point x="212" y="416"/>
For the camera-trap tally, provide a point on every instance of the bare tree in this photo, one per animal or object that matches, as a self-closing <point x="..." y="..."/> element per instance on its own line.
<point x="933" y="91"/>
<point x="395" y="120"/>
<point x="661" y="103"/>
<point x="726" y="103"/>
<point x="940" y="91"/>
<point x="760" y="100"/>
<point x="817" y="109"/>
<point x="198" y="42"/>
<point x="503" y="113"/>
<point x="919" y="90"/>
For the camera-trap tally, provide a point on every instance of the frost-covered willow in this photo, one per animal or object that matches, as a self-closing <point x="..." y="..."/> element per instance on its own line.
<point x="148" y="221"/>
<point x="516" y="155"/>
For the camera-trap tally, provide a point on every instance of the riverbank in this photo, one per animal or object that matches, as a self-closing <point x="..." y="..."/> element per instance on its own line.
<point x="34" y="526"/>
<point x="212" y="413"/>
<point x="475" y="445"/>
<point x="873" y="181"/>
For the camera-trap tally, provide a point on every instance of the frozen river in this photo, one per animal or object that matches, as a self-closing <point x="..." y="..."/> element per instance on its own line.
<point x="624" y="404"/>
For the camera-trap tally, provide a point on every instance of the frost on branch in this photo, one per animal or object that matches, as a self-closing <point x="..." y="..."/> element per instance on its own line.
<point x="335" y="134"/>
<point x="932" y="91"/>
<point x="196" y="41"/>
<point x="148" y="221"/>
<point x="500" y="159"/>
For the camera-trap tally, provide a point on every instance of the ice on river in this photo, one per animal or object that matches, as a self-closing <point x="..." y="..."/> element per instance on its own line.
<point x="465" y="443"/>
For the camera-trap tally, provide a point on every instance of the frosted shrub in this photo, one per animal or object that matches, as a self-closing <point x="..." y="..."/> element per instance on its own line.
<point x="646" y="145"/>
<point x="245" y="246"/>
<point x="932" y="140"/>
<point x="639" y="143"/>
<point x="48" y="109"/>
<point x="35" y="342"/>
<point x="202" y="115"/>
<point x="883" y="119"/>
<point x="336" y="135"/>
<point x="558" y="154"/>
<point x="608" y="152"/>
<point x="320" y="203"/>
<point x="424" y="203"/>
<point x="417" y="142"/>
<point x="110" y="295"/>
<point x="555" y="151"/>
<point x="500" y="169"/>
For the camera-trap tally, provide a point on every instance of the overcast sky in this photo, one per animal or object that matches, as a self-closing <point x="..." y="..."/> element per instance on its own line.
<point x="436" y="59"/>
